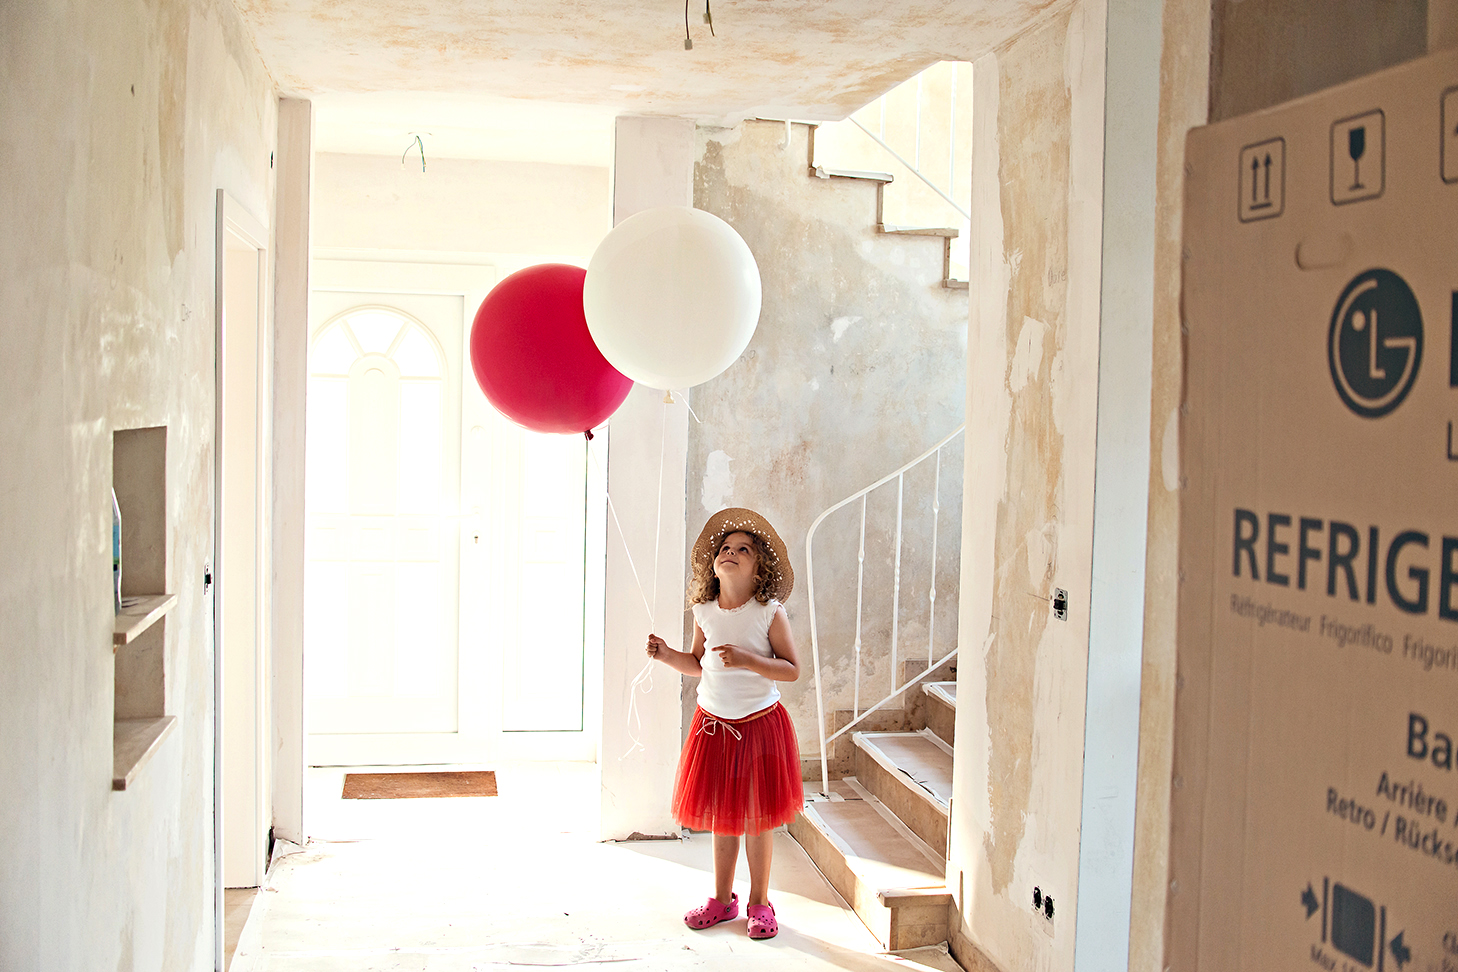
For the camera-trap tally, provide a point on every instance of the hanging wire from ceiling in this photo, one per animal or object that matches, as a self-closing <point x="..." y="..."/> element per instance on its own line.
<point x="412" y="145"/>
<point x="688" y="41"/>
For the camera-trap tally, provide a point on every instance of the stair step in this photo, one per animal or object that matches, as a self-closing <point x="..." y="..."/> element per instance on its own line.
<point x="911" y="773"/>
<point x="946" y="232"/>
<point x="952" y="284"/>
<point x="821" y="172"/>
<point x="894" y="884"/>
<point x="941" y="710"/>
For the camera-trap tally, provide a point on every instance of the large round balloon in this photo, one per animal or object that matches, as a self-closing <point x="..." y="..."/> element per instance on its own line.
<point x="672" y="296"/>
<point x="534" y="357"/>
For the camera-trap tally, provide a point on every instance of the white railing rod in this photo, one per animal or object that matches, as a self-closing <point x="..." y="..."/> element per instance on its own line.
<point x="917" y="145"/>
<point x="880" y="482"/>
<point x="896" y="587"/>
<point x="860" y="588"/>
<point x="931" y="594"/>
<point x="914" y="171"/>
<point x="952" y="137"/>
<point x="851" y="725"/>
<point x="810" y="592"/>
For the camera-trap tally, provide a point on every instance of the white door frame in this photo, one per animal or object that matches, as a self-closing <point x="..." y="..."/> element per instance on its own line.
<point x="249" y="712"/>
<point x="372" y="272"/>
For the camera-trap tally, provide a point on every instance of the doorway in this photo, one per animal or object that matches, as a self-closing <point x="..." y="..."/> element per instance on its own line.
<point x="241" y="643"/>
<point x="445" y="548"/>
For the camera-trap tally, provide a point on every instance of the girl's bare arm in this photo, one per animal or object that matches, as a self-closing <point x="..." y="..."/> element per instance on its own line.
<point x="783" y="667"/>
<point x="684" y="662"/>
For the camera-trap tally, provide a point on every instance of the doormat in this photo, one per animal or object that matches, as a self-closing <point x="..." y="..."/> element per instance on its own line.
<point x="404" y="786"/>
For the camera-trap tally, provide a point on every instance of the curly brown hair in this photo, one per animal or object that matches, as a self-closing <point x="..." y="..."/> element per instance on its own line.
<point x="704" y="585"/>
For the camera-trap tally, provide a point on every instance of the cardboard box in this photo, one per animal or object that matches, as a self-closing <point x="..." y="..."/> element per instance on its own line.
<point x="1315" y="800"/>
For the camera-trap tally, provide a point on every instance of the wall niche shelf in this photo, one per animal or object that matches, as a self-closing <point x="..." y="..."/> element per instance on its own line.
<point x="139" y="634"/>
<point x="133" y="743"/>
<point x="139" y="615"/>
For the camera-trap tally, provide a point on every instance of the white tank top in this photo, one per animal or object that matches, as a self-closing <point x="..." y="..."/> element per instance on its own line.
<point x="733" y="693"/>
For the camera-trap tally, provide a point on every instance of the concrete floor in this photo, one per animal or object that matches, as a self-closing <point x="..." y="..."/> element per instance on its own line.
<point x="520" y="879"/>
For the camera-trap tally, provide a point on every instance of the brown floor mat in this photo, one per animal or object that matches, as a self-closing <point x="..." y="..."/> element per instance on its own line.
<point x="403" y="786"/>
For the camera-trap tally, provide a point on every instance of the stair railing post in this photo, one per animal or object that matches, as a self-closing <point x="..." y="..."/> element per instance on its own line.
<point x="896" y="587"/>
<point x="931" y="595"/>
<point x="815" y="655"/>
<point x="860" y="588"/>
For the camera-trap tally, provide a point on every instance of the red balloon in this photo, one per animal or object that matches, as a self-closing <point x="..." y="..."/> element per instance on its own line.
<point x="534" y="357"/>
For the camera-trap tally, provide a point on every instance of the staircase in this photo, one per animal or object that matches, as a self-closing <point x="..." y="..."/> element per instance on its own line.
<point x="947" y="234"/>
<point x="880" y="837"/>
<point x="920" y="133"/>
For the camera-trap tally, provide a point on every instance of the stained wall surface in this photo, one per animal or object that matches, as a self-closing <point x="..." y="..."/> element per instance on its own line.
<point x="123" y="119"/>
<point x="1028" y="520"/>
<point x="857" y="366"/>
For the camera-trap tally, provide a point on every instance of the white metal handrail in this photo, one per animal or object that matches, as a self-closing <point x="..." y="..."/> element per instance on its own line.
<point x="933" y="663"/>
<point x="911" y="167"/>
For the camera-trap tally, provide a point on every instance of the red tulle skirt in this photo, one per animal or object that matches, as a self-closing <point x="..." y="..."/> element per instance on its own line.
<point x="744" y="784"/>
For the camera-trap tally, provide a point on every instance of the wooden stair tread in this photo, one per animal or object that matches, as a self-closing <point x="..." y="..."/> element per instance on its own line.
<point x="946" y="232"/>
<point x="916" y="756"/>
<point x="943" y="691"/>
<point x="876" y="851"/>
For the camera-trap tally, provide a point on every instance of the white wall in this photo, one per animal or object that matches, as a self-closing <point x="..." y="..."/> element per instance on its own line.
<point x="123" y="119"/>
<point x="518" y="213"/>
<point x="654" y="167"/>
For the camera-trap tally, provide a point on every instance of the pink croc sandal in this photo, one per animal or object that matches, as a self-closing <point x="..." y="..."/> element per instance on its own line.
<point x="762" y="923"/>
<point x="712" y="912"/>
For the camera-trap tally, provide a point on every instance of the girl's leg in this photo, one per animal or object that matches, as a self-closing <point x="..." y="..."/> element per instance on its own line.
<point x="759" y="848"/>
<point x="726" y="856"/>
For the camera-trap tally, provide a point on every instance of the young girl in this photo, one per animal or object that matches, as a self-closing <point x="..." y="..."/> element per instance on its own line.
<point x="739" y="773"/>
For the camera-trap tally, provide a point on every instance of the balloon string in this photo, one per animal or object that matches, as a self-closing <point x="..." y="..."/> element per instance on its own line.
<point x="634" y="724"/>
<point x="658" y="526"/>
<point x="623" y="537"/>
<point x="644" y="679"/>
<point x="684" y="398"/>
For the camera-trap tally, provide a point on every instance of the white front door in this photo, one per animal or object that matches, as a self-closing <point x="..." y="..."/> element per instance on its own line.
<point x="445" y="546"/>
<point x="382" y="547"/>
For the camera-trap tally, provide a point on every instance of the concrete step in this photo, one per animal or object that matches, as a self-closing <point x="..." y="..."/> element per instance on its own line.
<point x="893" y="881"/>
<point x="911" y="774"/>
<point x="941" y="710"/>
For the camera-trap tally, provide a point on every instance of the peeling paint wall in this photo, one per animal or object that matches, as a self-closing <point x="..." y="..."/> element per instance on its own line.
<point x="123" y="119"/>
<point x="857" y="366"/>
<point x="1028" y="516"/>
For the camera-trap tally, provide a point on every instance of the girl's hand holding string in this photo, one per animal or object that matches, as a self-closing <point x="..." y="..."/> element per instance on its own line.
<point x="655" y="644"/>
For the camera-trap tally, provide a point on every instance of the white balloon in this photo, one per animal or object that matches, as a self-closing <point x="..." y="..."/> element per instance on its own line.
<point x="672" y="296"/>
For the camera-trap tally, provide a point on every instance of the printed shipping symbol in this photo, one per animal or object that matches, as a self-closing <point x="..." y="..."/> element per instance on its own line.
<point x="1355" y="926"/>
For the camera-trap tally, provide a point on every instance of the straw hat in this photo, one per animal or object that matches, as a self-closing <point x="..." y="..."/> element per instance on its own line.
<point x="739" y="520"/>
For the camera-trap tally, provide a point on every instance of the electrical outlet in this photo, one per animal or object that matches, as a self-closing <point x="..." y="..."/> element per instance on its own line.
<point x="1044" y="908"/>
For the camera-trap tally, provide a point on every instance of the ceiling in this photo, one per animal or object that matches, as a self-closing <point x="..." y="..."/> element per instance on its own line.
<point x="398" y="66"/>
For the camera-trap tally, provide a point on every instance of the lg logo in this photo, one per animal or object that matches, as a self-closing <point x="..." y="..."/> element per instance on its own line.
<point x="1376" y="343"/>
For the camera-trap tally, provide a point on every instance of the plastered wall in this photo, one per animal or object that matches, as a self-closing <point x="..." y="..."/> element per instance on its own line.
<point x="857" y="366"/>
<point x="1028" y="522"/>
<point x="122" y="120"/>
<point x="460" y="206"/>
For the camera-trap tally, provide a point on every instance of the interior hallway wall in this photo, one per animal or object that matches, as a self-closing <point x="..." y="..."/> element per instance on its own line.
<point x="1033" y="379"/>
<point x="856" y="367"/>
<point x="513" y="214"/>
<point x="123" y="119"/>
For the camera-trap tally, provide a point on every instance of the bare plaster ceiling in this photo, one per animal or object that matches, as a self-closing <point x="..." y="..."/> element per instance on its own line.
<point x="804" y="59"/>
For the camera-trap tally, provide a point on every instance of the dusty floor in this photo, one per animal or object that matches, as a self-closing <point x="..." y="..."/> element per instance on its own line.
<point x="520" y="880"/>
